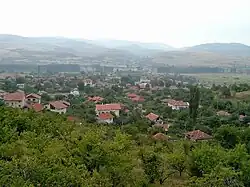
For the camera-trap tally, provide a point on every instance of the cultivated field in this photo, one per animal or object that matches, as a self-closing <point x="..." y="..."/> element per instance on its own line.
<point x="221" y="78"/>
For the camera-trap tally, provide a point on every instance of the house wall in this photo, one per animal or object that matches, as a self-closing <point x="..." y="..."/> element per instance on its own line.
<point x="15" y="104"/>
<point x="174" y="107"/>
<point x="60" y="111"/>
<point x="109" y="121"/>
<point x="116" y="112"/>
<point x="33" y="100"/>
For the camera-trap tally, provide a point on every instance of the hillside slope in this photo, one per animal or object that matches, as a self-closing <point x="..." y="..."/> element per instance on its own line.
<point x="233" y="49"/>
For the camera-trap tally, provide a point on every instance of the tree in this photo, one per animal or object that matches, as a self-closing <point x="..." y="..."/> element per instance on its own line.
<point x="20" y="80"/>
<point x="177" y="162"/>
<point x="194" y="103"/>
<point x="152" y="165"/>
<point x="81" y="86"/>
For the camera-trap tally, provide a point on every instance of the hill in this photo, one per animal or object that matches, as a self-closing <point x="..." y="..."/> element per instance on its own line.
<point x="124" y="43"/>
<point x="232" y="49"/>
<point x="18" y="48"/>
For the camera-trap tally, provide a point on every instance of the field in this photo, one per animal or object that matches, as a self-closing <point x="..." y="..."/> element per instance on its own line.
<point x="221" y="78"/>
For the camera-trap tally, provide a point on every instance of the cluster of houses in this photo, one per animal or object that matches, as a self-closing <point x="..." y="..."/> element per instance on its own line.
<point x="33" y="101"/>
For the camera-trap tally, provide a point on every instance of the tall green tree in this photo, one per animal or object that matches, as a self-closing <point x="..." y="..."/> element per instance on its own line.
<point x="194" y="103"/>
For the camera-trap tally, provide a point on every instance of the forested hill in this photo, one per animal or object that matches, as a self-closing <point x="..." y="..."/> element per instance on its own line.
<point x="47" y="150"/>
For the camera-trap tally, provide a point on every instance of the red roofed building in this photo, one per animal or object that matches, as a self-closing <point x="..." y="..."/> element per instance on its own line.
<point x="95" y="99"/>
<point x="152" y="117"/>
<point x="37" y="107"/>
<point x="138" y="99"/>
<point x="132" y="95"/>
<point x="33" y="98"/>
<point x="107" y="108"/>
<point x="105" y="118"/>
<point x="178" y="105"/>
<point x="197" y="135"/>
<point x="58" y="106"/>
<point x="160" y="136"/>
<point x="15" y="100"/>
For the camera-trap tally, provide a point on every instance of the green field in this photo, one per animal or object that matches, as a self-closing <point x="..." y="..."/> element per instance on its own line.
<point x="221" y="78"/>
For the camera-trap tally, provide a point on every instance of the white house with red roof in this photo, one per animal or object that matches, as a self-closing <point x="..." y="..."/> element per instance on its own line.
<point x="178" y="105"/>
<point x="108" y="108"/>
<point x="33" y="98"/>
<point x="15" y="100"/>
<point x="105" y="118"/>
<point x="58" y="106"/>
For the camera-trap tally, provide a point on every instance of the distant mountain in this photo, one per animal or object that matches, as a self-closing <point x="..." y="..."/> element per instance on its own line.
<point x="232" y="49"/>
<point x="53" y="48"/>
<point x="137" y="48"/>
<point x="124" y="43"/>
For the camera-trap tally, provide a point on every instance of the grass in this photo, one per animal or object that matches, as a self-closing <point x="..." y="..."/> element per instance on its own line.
<point x="221" y="78"/>
<point x="242" y="95"/>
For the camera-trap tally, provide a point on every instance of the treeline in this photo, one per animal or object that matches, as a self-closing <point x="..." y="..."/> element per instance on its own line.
<point x="52" y="68"/>
<point x="190" y="69"/>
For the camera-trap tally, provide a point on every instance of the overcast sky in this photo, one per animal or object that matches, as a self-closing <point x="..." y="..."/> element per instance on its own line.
<point x="175" y="22"/>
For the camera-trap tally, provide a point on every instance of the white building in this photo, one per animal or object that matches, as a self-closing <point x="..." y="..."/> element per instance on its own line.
<point x="108" y="108"/>
<point x="178" y="105"/>
<point x="15" y="100"/>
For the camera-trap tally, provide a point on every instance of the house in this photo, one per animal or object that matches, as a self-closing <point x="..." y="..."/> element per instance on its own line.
<point x="58" y="106"/>
<point x="160" y="137"/>
<point x="165" y="127"/>
<point x="95" y="99"/>
<point x="33" y="98"/>
<point x="108" y="108"/>
<point x="20" y="86"/>
<point x="152" y="117"/>
<point x="105" y="118"/>
<point x="37" y="107"/>
<point x="138" y="99"/>
<point x="135" y="98"/>
<point x="197" y="135"/>
<point x="88" y="82"/>
<point x="178" y="105"/>
<point x="132" y="95"/>
<point x="75" y="92"/>
<point x="15" y="100"/>
<point x="144" y="85"/>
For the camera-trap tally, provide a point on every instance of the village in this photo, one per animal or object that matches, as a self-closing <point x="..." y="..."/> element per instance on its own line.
<point x="160" y="100"/>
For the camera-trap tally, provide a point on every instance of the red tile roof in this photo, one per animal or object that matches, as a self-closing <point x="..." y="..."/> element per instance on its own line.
<point x="177" y="103"/>
<point x="138" y="99"/>
<point x="37" y="107"/>
<point x="152" y="116"/>
<point x="17" y="96"/>
<point x="197" y="135"/>
<point x="106" y="107"/>
<point x="95" y="99"/>
<point x="132" y="95"/>
<point x="66" y="103"/>
<point x="58" y="104"/>
<point x="33" y="95"/>
<point x="105" y="116"/>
